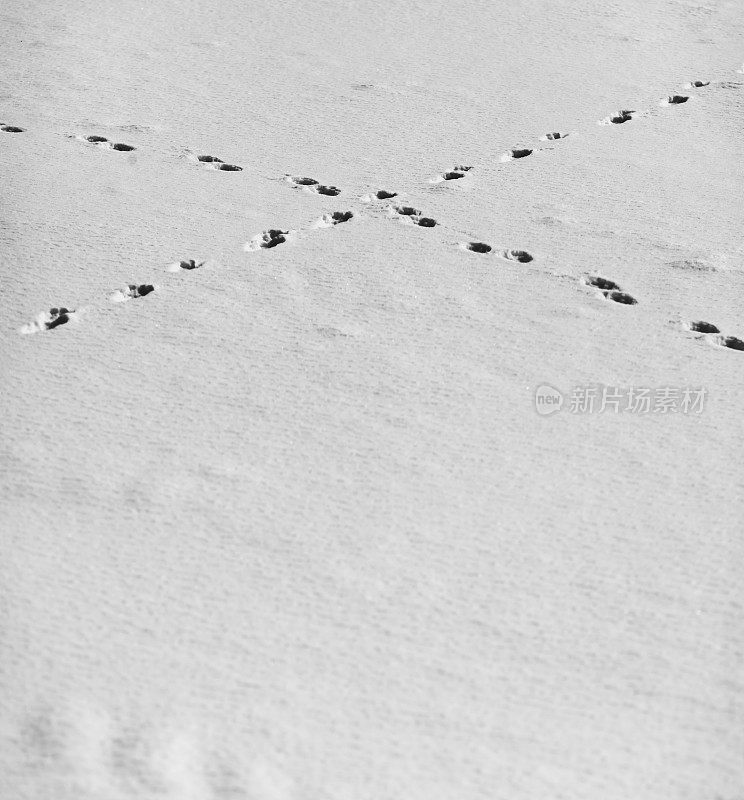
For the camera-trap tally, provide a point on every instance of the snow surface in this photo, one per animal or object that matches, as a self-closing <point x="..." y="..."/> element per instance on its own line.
<point x="288" y="526"/>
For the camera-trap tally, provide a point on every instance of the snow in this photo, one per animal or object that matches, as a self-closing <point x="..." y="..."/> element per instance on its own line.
<point x="289" y="525"/>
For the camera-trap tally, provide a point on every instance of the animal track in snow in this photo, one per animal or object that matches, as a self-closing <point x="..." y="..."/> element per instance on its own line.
<point x="477" y="247"/>
<point x="335" y="218"/>
<point x="731" y="342"/>
<point x="311" y="185"/>
<point x="406" y="211"/>
<point x="103" y="142"/>
<point x="696" y="84"/>
<point x="610" y="290"/>
<point x="454" y="174"/>
<point x="188" y="264"/>
<point x="414" y="215"/>
<point x="551" y="137"/>
<point x="703" y="327"/>
<point x="674" y="100"/>
<point x="297" y="181"/>
<point x="621" y="297"/>
<point x="47" y="321"/>
<point x="604" y="284"/>
<point x="11" y="128"/>
<point x="515" y="153"/>
<point x="267" y="240"/>
<point x="131" y="291"/>
<point x="618" y="118"/>
<point x="517" y="255"/>
<point x="330" y="191"/>
<point x="383" y="194"/>
<point x="213" y="162"/>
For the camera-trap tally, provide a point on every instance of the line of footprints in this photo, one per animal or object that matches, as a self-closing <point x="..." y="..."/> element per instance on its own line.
<point x="55" y="317"/>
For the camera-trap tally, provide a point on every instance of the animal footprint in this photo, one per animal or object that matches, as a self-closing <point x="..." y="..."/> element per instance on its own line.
<point x="454" y="174"/>
<point x="385" y="195"/>
<point x="611" y="290"/>
<point x="406" y="211"/>
<point x="102" y="141"/>
<point x="550" y="137"/>
<point x="48" y="321"/>
<point x="212" y="162"/>
<point x="130" y="292"/>
<point x="696" y="84"/>
<point x="189" y="264"/>
<point x="297" y="181"/>
<point x="704" y="327"/>
<point x="674" y="100"/>
<point x="11" y="128"/>
<point x="517" y="255"/>
<point x="414" y="215"/>
<point x="477" y="247"/>
<point x="618" y="118"/>
<point x="312" y="185"/>
<point x="335" y="218"/>
<point x="510" y="155"/>
<point x="731" y="342"/>
<point x="266" y="240"/>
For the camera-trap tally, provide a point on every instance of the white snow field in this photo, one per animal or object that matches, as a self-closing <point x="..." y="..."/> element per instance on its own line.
<point x="283" y="522"/>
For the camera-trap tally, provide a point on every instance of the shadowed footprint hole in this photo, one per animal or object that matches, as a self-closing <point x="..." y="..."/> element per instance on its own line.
<point x="604" y="284"/>
<point x="699" y="84"/>
<point x="453" y="176"/>
<point x="96" y="139"/>
<point x="704" y="327"/>
<point x="407" y="211"/>
<point x="676" y="99"/>
<point x="385" y="195"/>
<point x="58" y="316"/>
<point x="517" y="255"/>
<point x="230" y="168"/>
<point x="520" y="152"/>
<point x="621" y="297"/>
<point x="12" y="129"/>
<point x="330" y="191"/>
<point x="209" y="159"/>
<point x="425" y="222"/>
<point x="479" y="247"/>
<point x="731" y="342"/>
<point x="140" y="290"/>
<point x="124" y="148"/>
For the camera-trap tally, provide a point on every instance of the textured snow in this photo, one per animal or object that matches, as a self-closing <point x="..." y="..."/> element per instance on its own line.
<point x="288" y="527"/>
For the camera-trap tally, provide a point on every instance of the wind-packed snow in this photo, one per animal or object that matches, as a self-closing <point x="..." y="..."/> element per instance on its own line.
<point x="280" y="284"/>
